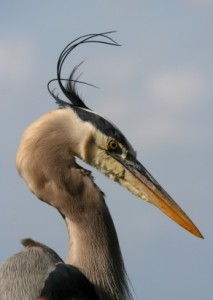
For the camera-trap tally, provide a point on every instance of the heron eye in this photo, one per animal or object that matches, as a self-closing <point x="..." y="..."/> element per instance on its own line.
<point x="113" y="145"/>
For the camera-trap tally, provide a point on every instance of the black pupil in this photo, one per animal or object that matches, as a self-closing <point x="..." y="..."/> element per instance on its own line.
<point x="113" y="145"/>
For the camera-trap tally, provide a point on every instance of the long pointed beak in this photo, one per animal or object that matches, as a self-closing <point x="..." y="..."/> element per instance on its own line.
<point x="141" y="183"/>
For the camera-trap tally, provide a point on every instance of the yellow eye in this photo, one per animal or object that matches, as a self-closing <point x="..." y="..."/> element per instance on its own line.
<point x="113" y="145"/>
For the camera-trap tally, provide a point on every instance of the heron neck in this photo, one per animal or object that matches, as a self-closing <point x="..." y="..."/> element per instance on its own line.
<point x="95" y="250"/>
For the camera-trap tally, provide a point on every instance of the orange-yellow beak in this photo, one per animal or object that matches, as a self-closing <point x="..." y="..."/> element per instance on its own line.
<point x="141" y="183"/>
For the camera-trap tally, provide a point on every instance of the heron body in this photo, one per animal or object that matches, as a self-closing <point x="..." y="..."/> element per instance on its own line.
<point x="46" y="161"/>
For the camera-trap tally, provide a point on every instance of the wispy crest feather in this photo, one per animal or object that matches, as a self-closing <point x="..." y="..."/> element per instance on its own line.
<point x="69" y="89"/>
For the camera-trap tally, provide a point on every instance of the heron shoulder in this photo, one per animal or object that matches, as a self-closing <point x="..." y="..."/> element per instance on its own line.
<point x="23" y="275"/>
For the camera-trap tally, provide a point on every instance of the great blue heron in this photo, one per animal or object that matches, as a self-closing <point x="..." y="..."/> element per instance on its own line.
<point x="46" y="160"/>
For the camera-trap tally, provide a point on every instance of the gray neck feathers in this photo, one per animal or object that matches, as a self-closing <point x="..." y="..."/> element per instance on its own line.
<point x="94" y="246"/>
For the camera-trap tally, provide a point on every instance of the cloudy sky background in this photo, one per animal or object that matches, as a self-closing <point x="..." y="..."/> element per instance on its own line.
<point x="157" y="88"/>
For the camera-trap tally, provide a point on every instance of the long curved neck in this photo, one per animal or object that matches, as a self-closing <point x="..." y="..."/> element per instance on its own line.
<point x="94" y="247"/>
<point x="48" y="166"/>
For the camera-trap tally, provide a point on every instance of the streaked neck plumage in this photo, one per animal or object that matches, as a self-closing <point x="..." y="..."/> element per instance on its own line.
<point x="94" y="246"/>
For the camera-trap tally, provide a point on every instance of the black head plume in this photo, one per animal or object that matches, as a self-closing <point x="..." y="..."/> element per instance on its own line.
<point x="69" y="89"/>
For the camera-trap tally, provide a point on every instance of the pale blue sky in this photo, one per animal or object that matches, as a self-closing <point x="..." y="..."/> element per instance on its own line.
<point x="157" y="88"/>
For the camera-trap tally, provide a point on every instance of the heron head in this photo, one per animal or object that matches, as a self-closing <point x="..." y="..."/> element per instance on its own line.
<point x="107" y="149"/>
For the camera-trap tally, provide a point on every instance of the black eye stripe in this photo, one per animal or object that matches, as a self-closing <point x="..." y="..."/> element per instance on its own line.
<point x="101" y="124"/>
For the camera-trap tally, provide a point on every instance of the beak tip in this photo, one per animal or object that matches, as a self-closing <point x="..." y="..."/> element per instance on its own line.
<point x="198" y="234"/>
